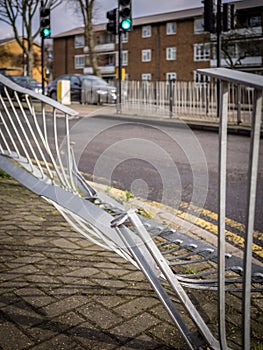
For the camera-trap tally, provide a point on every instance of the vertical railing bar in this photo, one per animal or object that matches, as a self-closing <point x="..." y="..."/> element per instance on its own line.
<point x="223" y="110"/>
<point x="70" y="164"/>
<point x="46" y="145"/>
<point x="1" y="148"/>
<point x="252" y="185"/>
<point x="8" y="131"/>
<point x="43" y="112"/>
<point x="66" y="183"/>
<point x="25" y="133"/>
<point x="15" y="129"/>
<point x="33" y="134"/>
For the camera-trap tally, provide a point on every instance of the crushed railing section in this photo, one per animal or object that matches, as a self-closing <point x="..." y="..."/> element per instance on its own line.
<point x="186" y="100"/>
<point x="33" y="151"/>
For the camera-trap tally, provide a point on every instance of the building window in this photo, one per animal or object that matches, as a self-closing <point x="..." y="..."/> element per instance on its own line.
<point x="171" y="53"/>
<point x="146" y="76"/>
<point x="200" y="79"/>
<point x="171" y="28"/>
<point x="79" y="41"/>
<point x="125" y="58"/>
<point x="125" y="36"/>
<point x="199" y="25"/>
<point x="146" y="55"/>
<point x="79" y="61"/>
<point x="202" y="52"/>
<point x="254" y="21"/>
<point x="146" y="31"/>
<point x="170" y="76"/>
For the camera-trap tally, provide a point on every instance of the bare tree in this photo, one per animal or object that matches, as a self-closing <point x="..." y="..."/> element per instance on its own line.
<point x="236" y="47"/>
<point x="13" y="11"/>
<point x="86" y="9"/>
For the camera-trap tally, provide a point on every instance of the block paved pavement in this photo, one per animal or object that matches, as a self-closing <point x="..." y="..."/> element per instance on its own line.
<point x="59" y="291"/>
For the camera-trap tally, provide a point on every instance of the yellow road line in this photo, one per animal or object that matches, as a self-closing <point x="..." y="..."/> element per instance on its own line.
<point x="214" y="216"/>
<point x="231" y="237"/>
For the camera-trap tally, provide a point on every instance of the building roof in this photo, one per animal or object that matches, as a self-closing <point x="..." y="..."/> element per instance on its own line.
<point x="6" y="41"/>
<point x="160" y="17"/>
<point x="164" y="17"/>
<point x="10" y="40"/>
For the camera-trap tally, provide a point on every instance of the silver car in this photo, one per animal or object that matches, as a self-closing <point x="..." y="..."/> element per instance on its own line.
<point x="85" y="89"/>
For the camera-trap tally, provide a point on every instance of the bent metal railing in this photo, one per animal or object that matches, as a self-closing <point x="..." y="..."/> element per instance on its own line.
<point x="34" y="152"/>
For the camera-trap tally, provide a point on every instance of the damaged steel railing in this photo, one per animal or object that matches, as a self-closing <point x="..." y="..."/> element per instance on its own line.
<point x="34" y="152"/>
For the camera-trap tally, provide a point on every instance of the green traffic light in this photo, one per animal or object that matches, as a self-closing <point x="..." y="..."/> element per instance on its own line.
<point x="126" y="24"/>
<point x="46" y="32"/>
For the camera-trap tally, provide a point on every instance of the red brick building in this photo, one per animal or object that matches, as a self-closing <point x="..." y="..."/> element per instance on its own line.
<point x="163" y="46"/>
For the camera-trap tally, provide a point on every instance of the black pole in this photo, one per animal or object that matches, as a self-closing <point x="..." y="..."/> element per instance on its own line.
<point x="218" y="33"/>
<point x="218" y="48"/>
<point x="120" y="69"/>
<point x="42" y="58"/>
<point x="42" y="65"/>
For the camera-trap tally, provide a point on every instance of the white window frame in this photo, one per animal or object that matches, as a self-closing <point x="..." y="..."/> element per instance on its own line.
<point x="171" y="76"/>
<point x="146" y="76"/>
<point x="171" y="28"/>
<point x="146" y="31"/>
<point x="146" y="55"/>
<point x="201" y="52"/>
<point x="125" y="58"/>
<point x="171" y="53"/>
<point x="199" y="25"/>
<point x="79" y="61"/>
<point x="79" y="41"/>
<point x="125" y="37"/>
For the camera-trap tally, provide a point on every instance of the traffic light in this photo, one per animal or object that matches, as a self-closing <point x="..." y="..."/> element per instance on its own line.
<point x="209" y="16"/>
<point x="228" y="17"/>
<point x="125" y="15"/>
<point x="45" y="29"/>
<point x="112" y="26"/>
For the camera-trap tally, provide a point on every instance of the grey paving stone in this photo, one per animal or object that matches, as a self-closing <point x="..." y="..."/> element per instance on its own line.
<point x="133" y="327"/>
<point x="11" y="338"/>
<point x="34" y="296"/>
<point x="136" y="306"/>
<point x="99" y="315"/>
<point x="64" y="305"/>
<point x="93" y="338"/>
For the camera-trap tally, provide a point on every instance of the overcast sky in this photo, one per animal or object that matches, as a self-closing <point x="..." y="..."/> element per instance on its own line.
<point x="63" y="17"/>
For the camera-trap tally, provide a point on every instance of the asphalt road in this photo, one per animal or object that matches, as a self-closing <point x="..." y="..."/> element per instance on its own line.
<point x="175" y="166"/>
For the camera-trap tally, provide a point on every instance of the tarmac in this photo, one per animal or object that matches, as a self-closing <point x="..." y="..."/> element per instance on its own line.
<point x="60" y="291"/>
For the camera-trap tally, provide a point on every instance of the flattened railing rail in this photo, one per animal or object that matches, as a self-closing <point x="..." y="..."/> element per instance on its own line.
<point x="33" y="151"/>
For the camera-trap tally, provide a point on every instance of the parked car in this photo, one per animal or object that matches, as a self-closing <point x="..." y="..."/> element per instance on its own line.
<point x="85" y="89"/>
<point x="23" y="81"/>
<point x="27" y="82"/>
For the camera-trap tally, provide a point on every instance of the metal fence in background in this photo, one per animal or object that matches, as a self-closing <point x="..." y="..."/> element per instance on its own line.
<point x="186" y="100"/>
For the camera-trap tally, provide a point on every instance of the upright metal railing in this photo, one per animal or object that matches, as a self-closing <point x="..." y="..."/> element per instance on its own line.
<point x="226" y="77"/>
